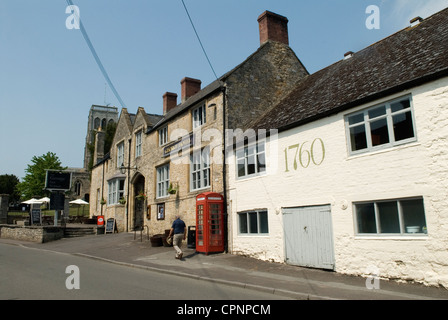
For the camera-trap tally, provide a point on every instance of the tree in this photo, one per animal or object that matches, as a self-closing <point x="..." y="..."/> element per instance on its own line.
<point x="34" y="182"/>
<point x="8" y="185"/>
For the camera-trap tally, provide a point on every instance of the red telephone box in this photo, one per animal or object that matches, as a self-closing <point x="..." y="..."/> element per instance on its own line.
<point x="209" y="223"/>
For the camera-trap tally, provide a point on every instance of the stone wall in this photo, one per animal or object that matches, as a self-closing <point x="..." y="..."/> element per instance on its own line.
<point x="33" y="234"/>
<point x="260" y="82"/>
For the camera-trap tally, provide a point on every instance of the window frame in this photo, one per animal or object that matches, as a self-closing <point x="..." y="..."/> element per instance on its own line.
<point x="204" y="168"/>
<point x="389" y="116"/>
<point x="401" y="219"/>
<point x="246" y="156"/>
<point x="114" y="192"/>
<point x="201" y="113"/>
<point x="120" y="154"/>
<point x="248" y="224"/>
<point x="163" y="136"/>
<point x="162" y="172"/>
<point x="138" y="143"/>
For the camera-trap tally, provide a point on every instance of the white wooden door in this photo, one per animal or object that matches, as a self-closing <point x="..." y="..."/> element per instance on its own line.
<point x="308" y="234"/>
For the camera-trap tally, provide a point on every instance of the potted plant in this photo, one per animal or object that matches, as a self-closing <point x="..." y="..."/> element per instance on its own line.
<point x="122" y="201"/>
<point x="172" y="190"/>
<point x="102" y="202"/>
<point x="141" y="196"/>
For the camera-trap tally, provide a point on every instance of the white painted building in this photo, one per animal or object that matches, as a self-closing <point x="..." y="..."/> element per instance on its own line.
<point x="356" y="180"/>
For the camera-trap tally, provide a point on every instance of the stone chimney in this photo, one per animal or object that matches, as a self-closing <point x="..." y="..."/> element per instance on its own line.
<point x="190" y="87"/>
<point x="273" y="27"/>
<point x="169" y="101"/>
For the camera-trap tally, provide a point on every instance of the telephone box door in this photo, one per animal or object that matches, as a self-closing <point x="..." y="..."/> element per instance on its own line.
<point x="209" y="223"/>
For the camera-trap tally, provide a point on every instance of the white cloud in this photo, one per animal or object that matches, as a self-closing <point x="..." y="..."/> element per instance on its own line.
<point x="404" y="10"/>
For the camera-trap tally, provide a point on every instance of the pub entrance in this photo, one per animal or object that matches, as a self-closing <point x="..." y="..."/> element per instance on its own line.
<point x="139" y="202"/>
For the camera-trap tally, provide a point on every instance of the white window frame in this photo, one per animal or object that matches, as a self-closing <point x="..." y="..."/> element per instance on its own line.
<point x="120" y="154"/>
<point x="138" y="143"/>
<point x="163" y="181"/>
<point x="401" y="219"/>
<point x="242" y="154"/>
<point x="247" y="216"/>
<point x="200" y="169"/>
<point x="199" y="116"/>
<point x="115" y="193"/>
<point x="163" y="136"/>
<point x="390" y="126"/>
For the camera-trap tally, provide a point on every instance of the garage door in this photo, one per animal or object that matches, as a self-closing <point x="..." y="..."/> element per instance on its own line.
<point x="308" y="234"/>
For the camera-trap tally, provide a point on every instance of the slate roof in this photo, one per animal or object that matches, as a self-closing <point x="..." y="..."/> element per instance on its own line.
<point x="408" y="58"/>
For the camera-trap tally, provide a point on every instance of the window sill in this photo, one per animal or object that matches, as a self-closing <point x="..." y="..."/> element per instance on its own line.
<point x="115" y="205"/>
<point x="254" y="235"/>
<point x="383" y="150"/>
<point x="252" y="176"/>
<point x="405" y="237"/>
<point x="199" y="191"/>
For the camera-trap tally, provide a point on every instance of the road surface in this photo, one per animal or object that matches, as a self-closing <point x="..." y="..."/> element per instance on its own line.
<point x="46" y="275"/>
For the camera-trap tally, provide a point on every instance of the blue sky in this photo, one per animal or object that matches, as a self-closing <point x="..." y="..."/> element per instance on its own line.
<point x="49" y="78"/>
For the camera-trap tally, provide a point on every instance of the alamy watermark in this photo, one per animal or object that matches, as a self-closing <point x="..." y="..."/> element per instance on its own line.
<point x="373" y="20"/>
<point x="73" y="280"/>
<point x="73" y="20"/>
<point x="373" y="280"/>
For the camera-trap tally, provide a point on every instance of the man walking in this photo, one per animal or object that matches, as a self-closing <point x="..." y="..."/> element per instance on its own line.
<point x="179" y="230"/>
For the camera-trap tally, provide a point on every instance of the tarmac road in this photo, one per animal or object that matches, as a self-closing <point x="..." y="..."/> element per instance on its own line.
<point x="283" y="281"/>
<point x="37" y="274"/>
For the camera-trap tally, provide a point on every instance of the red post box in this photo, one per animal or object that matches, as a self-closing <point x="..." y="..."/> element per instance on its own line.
<point x="100" y="221"/>
<point x="209" y="223"/>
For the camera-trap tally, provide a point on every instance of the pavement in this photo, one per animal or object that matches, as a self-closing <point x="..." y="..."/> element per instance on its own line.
<point x="280" y="279"/>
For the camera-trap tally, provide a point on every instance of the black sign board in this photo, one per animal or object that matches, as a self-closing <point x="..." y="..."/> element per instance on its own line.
<point x="110" y="225"/>
<point x="35" y="216"/>
<point x="57" y="201"/>
<point x="58" y="180"/>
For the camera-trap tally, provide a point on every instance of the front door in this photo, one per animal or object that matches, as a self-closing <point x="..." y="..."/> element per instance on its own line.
<point x="308" y="234"/>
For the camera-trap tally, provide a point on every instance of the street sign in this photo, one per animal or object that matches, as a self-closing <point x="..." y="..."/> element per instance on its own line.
<point x="57" y="201"/>
<point x="58" y="180"/>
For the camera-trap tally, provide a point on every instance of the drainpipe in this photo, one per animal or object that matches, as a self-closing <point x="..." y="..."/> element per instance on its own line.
<point x="128" y="178"/>
<point x="102" y="192"/>
<point x="224" y="172"/>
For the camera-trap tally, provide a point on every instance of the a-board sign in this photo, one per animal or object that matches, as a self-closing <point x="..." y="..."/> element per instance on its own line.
<point x="110" y="225"/>
<point x="58" y="180"/>
<point x="35" y="213"/>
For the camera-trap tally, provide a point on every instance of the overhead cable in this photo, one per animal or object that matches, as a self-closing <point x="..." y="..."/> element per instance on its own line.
<point x="200" y="42"/>
<point x="97" y="59"/>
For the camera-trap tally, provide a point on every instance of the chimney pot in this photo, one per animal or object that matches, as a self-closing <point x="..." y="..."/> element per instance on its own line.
<point x="273" y="27"/>
<point x="190" y="87"/>
<point x="416" y="21"/>
<point x="348" y="55"/>
<point x="169" y="101"/>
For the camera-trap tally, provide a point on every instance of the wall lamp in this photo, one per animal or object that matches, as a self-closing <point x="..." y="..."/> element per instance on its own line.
<point x="123" y="168"/>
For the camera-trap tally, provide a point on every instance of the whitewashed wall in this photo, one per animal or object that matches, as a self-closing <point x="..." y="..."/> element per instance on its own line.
<point x="415" y="169"/>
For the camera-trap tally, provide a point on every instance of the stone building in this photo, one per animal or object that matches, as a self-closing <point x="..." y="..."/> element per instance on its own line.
<point x="99" y="118"/>
<point x="356" y="179"/>
<point x="169" y="160"/>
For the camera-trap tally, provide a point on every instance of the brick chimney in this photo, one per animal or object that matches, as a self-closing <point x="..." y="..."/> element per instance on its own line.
<point x="273" y="27"/>
<point x="190" y="87"/>
<point x="169" y="101"/>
